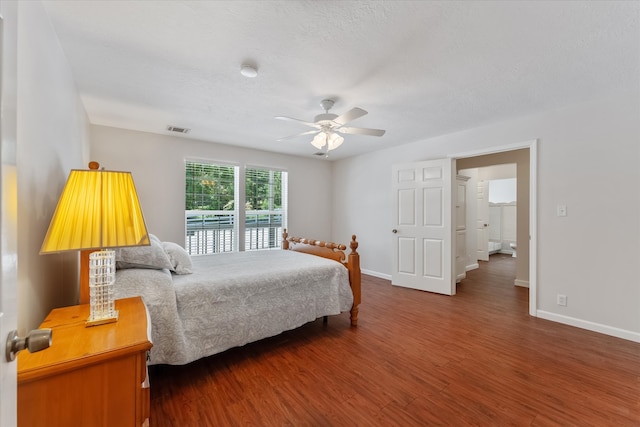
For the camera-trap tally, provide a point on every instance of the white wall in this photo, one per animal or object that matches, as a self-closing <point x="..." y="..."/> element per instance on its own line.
<point x="587" y="160"/>
<point x="52" y="138"/>
<point x="157" y="165"/>
<point x="505" y="171"/>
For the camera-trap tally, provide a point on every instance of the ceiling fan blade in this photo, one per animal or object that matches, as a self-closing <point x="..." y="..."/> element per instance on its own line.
<point x="309" y="132"/>
<point x="297" y="120"/>
<point x="361" y="131"/>
<point x="350" y="115"/>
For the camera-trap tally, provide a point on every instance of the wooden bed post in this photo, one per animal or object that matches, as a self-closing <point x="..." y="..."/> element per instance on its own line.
<point x="355" y="278"/>
<point x="335" y="252"/>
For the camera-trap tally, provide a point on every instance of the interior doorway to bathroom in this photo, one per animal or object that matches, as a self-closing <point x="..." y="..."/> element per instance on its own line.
<point x="503" y="208"/>
<point x="496" y="211"/>
<point x="510" y="229"/>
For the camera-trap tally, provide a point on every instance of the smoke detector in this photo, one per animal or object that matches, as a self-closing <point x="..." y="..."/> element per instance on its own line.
<point x="248" y="70"/>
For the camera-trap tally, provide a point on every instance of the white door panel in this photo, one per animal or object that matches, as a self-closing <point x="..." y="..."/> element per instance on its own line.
<point x="495" y="223"/>
<point x="423" y="238"/>
<point x="432" y="209"/>
<point x="406" y="207"/>
<point x="406" y="256"/>
<point x="482" y="224"/>
<point x="433" y="254"/>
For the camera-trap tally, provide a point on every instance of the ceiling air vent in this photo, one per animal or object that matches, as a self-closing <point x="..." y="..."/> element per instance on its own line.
<point x="177" y="129"/>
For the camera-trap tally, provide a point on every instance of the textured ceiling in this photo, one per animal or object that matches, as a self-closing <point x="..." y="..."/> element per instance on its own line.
<point x="419" y="68"/>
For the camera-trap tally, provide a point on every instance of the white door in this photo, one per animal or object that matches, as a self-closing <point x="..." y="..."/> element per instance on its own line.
<point x="423" y="243"/>
<point x="8" y="212"/>
<point x="460" y="226"/>
<point x="482" y="221"/>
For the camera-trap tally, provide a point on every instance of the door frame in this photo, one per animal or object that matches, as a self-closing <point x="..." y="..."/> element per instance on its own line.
<point x="532" y="145"/>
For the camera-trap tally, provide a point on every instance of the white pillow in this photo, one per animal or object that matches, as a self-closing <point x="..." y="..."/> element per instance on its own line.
<point x="152" y="256"/>
<point x="179" y="258"/>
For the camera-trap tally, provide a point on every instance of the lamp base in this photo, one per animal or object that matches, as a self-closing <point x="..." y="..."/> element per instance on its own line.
<point x="102" y="321"/>
<point x="102" y="271"/>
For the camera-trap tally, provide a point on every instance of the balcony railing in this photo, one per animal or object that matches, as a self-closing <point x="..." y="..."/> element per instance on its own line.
<point x="210" y="232"/>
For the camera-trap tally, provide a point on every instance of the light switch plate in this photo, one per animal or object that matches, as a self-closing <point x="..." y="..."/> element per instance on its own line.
<point x="562" y="210"/>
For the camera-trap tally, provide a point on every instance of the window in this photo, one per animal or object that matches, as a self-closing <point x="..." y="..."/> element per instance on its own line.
<point x="210" y="213"/>
<point x="265" y="195"/>
<point x="213" y="222"/>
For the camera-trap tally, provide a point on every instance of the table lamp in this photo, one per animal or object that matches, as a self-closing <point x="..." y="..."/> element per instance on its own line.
<point x="97" y="211"/>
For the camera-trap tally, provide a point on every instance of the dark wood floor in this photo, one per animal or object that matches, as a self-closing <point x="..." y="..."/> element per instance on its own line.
<point x="415" y="359"/>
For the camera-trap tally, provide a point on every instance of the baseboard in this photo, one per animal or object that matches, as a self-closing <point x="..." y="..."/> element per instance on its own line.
<point x="521" y="283"/>
<point x="591" y="326"/>
<point x="376" y="274"/>
<point x="472" y="267"/>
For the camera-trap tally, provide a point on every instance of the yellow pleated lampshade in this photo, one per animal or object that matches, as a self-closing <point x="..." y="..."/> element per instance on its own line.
<point x="97" y="209"/>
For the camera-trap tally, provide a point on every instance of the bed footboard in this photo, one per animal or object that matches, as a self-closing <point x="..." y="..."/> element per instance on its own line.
<point x="335" y="252"/>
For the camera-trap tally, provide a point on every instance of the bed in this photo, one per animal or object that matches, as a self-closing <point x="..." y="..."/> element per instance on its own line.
<point x="203" y="305"/>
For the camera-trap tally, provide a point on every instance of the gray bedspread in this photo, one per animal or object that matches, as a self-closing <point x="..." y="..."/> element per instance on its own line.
<point x="233" y="299"/>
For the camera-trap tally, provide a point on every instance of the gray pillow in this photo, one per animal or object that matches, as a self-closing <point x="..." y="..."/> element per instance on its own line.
<point x="179" y="258"/>
<point x="152" y="256"/>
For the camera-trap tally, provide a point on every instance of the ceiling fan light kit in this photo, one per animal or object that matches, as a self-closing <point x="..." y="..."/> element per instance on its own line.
<point x="328" y="126"/>
<point x="331" y="140"/>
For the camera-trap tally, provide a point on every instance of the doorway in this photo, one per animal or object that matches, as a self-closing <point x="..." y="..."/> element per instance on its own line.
<point x="424" y="203"/>
<point x="524" y="156"/>
<point x="491" y="216"/>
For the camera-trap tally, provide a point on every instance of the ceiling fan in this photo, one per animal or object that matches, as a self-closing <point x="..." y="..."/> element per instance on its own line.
<point x="328" y="126"/>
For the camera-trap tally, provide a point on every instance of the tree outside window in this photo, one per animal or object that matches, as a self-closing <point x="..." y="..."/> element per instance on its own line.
<point x="212" y="222"/>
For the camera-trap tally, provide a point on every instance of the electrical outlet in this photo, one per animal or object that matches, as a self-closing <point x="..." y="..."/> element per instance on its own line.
<point x="562" y="300"/>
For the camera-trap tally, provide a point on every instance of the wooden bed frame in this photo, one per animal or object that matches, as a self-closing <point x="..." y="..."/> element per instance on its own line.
<point x="335" y="252"/>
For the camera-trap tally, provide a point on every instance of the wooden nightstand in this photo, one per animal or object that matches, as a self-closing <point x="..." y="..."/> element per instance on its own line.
<point x="89" y="376"/>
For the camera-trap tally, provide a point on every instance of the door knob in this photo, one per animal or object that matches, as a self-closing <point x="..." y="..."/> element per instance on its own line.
<point x="394" y="231"/>
<point x="36" y="340"/>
